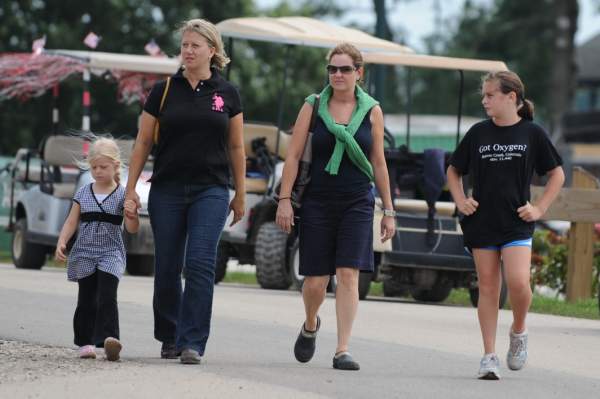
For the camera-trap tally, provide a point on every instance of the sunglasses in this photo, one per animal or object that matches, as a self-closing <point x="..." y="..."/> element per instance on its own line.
<point x="345" y="69"/>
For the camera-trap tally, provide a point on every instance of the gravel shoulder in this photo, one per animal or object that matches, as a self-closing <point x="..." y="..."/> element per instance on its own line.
<point x="42" y="371"/>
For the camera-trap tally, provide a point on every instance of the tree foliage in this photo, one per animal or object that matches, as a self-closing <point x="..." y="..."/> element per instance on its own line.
<point x="521" y="33"/>
<point x="125" y="27"/>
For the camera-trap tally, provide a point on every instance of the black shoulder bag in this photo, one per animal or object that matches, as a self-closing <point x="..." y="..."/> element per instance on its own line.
<point x="303" y="176"/>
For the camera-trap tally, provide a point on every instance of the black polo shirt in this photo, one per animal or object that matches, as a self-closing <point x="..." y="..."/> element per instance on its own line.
<point x="194" y="129"/>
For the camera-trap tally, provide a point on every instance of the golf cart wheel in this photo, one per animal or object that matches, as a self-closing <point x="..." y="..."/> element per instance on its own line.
<point x="474" y="295"/>
<point x="364" y="284"/>
<point x="270" y="257"/>
<point x="393" y="288"/>
<point x="26" y="255"/>
<point x="221" y="263"/>
<point x="140" y="265"/>
<point x="437" y="293"/>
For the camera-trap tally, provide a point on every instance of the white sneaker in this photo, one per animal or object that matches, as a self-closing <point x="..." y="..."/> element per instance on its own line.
<point x="517" y="350"/>
<point x="489" y="367"/>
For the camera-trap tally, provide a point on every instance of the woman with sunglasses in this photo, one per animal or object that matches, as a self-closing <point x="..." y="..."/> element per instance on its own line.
<point x="336" y="217"/>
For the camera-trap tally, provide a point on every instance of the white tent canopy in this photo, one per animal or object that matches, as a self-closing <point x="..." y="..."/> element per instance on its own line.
<point x="123" y="62"/>
<point x="436" y="62"/>
<point x="304" y="31"/>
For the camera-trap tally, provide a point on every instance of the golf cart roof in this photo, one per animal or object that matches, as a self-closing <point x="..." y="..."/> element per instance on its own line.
<point x="431" y="61"/>
<point x="305" y="32"/>
<point x="123" y="62"/>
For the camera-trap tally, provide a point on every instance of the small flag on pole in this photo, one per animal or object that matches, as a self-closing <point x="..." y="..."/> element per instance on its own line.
<point x="152" y="48"/>
<point x="92" y="40"/>
<point x="38" y="45"/>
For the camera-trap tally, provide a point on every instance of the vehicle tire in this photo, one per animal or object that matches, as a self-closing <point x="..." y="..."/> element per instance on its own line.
<point x="437" y="293"/>
<point x="393" y="288"/>
<point x="364" y="284"/>
<point x="270" y="257"/>
<point x="140" y="265"/>
<point x="294" y="266"/>
<point x="474" y="295"/>
<point x="221" y="263"/>
<point x="26" y="255"/>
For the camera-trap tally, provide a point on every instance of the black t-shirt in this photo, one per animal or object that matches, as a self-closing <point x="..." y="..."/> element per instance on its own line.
<point x="194" y="129"/>
<point x="501" y="161"/>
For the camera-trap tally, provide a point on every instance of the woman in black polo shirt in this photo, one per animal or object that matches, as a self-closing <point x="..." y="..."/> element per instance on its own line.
<point x="501" y="154"/>
<point x="200" y="139"/>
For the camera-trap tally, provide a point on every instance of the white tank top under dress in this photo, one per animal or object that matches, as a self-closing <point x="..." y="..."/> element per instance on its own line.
<point x="99" y="244"/>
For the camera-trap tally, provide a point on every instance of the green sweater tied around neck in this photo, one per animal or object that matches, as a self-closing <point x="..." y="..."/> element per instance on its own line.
<point x="344" y="135"/>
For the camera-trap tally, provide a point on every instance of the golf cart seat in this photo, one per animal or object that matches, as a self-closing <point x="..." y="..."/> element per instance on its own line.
<point x="257" y="136"/>
<point x="63" y="153"/>
<point x="269" y="132"/>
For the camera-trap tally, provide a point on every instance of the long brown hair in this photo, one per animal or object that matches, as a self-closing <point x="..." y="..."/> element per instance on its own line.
<point x="510" y="81"/>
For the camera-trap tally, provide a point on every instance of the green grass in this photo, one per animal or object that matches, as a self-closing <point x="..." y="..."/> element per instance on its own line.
<point x="240" y="278"/>
<point x="5" y="257"/>
<point x="586" y="309"/>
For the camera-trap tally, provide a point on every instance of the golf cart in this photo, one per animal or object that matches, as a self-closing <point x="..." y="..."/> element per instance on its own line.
<point x="43" y="181"/>
<point x="426" y="258"/>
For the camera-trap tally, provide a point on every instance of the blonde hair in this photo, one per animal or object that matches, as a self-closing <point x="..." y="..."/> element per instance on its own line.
<point x="104" y="147"/>
<point x="208" y="31"/>
<point x="509" y="81"/>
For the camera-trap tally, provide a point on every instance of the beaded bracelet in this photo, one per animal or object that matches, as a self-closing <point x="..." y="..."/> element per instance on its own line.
<point x="282" y="198"/>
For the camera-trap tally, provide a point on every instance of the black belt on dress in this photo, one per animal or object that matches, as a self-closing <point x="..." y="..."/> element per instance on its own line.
<point x="101" y="217"/>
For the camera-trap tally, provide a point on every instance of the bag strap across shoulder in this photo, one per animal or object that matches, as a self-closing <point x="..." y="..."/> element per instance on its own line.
<point x="315" y="113"/>
<point x="162" y="102"/>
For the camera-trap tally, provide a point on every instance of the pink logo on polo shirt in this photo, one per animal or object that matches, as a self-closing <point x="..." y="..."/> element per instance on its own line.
<point x="218" y="103"/>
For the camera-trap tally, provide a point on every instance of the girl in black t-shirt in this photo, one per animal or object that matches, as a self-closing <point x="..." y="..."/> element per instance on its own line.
<point x="501" y="154"/>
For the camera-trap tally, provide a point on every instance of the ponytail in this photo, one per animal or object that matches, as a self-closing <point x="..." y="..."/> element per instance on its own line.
<point x="525" y="110"/>
<point x="509" y="81"/>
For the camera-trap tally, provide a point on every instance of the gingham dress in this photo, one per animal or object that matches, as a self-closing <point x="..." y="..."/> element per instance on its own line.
<point x="99" y="244"/>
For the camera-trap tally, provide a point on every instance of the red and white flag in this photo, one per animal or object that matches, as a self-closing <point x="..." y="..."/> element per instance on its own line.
<point x="152" y="48"/>
<point x="92" y="40"/>
<point x="38" y="45"/>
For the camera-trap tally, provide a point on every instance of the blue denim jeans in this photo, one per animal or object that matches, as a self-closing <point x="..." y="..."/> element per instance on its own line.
<point x="187" y="221"/>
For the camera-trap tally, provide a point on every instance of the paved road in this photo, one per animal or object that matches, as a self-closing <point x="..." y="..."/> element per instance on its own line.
<point x="405" y="349"/>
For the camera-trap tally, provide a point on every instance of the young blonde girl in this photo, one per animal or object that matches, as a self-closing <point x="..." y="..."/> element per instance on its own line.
<point x="500" y="154"/>
<point x="97" y="260"/>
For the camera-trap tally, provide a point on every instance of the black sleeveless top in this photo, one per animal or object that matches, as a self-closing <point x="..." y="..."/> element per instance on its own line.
<point x="350" y="179"/>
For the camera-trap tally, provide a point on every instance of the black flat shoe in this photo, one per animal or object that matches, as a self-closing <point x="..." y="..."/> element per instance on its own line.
<point x="168" y="350"/>
<point x="304" y="349"/>
<point x="344" y="361"/>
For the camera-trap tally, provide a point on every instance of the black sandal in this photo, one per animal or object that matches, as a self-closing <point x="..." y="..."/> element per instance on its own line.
<point x="304" y="349"/>
<point x="345" y="361"/>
